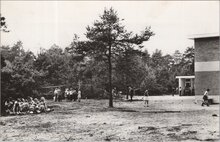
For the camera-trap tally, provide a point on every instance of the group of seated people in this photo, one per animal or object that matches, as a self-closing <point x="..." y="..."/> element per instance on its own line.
<point x="25" y="106"/>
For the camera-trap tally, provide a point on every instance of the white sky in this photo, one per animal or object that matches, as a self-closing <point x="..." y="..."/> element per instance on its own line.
<point x="44" y="23"/>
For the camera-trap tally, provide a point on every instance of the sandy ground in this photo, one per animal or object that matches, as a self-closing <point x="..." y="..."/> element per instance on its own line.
<point x="166" y="119"/>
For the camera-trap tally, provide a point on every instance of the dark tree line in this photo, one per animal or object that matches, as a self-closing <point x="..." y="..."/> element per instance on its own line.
<point x="23" y="73"/>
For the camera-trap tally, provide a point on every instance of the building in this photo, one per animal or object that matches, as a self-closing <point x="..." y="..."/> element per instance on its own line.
<point x="207" y="65"/>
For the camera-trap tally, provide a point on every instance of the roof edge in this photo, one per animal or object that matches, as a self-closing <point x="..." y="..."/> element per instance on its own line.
<point x="206" y="35"/>
<point x="186" y="77"/>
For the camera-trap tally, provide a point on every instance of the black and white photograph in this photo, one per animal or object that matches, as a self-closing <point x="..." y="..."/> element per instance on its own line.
<point x="118" y="71"/>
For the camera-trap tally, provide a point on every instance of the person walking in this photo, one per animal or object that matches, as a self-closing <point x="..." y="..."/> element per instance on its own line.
<point x="205" y="98"/>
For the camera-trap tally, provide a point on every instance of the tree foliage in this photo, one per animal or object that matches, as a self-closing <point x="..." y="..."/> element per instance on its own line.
<point x="3" y="26"/>
<point x="107" y="38"/>
<point x="19" y="76"/>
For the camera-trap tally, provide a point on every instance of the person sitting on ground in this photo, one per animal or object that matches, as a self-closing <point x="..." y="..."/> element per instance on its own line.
<point x="37" y="106"/>
<point x="42" y="105"/>
<point x="205" y="98"/>
<point x="9" y="106"/>
<point x="24" y="106"/>
<point x="16" y="107"/>
<point x="31" y="105"/>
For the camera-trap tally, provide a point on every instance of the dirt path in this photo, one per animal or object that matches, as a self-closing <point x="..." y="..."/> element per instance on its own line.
<point x="177" y="119"/>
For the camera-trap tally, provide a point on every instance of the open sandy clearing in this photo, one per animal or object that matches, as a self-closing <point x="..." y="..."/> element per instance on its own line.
<point x="167" y="119"/>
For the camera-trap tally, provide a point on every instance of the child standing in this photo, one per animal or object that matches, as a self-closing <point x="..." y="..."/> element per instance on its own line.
<point x="71" y="94"/>
<point x="79" y="95"/>
<point x="180" y="91"/>
<point x="56" y="91"/>
<point x="205" y="98"/>
<point x="146" y="98"/>
<point x="66" y="94"/>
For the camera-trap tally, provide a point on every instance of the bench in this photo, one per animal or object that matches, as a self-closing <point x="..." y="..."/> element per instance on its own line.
<point x="210" y="101"/>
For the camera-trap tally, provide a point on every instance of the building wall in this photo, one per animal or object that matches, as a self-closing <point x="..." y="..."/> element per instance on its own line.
<point x="207" y="66"/>
<point x="207" y="49"/>
<point x="206" y="80"/>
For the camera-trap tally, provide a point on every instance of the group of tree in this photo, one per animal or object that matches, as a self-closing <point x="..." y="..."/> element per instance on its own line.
<point x="110" y="57"/>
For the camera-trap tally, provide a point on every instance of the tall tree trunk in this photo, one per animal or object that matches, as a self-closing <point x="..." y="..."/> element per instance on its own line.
<point x="126" y="77"/>
<point x="127" y="91"/>
<point x="110" y="78"/>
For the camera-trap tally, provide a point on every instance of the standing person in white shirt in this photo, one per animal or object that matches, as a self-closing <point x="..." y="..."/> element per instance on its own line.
<point x="56" y="91"/>
<point x="79" y="95"/>
<point x="66" y="94"/>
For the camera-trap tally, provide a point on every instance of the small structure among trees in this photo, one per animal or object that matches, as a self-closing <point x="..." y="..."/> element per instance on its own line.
<point x="187" y="85"/>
